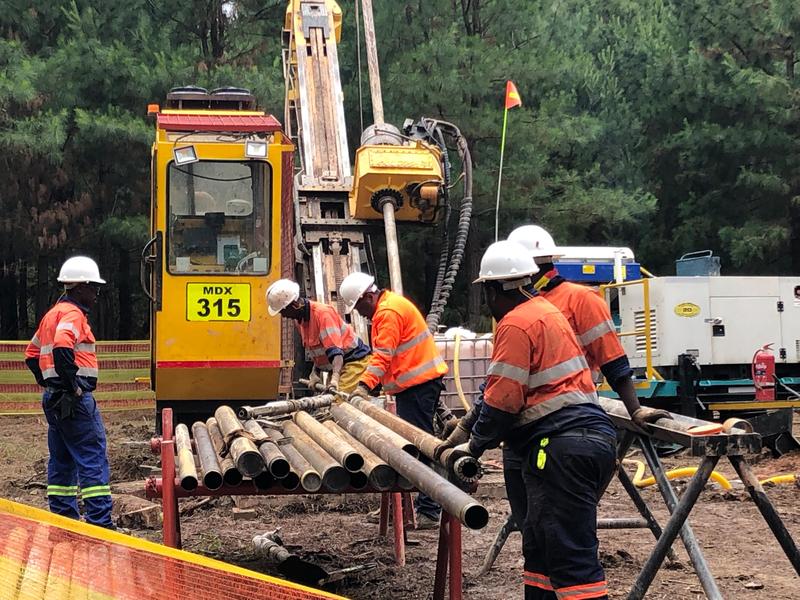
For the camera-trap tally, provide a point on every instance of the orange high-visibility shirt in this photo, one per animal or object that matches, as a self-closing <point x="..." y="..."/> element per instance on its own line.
<point x="590" y="319"/>
<point x="325" y="332"/>
<point x="537" y="365"/>
<point x="64" y="326"/>
<point x="403" y="351"/>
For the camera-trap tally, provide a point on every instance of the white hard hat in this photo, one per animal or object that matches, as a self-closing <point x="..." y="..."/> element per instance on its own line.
<point x="80" y="269"/>
<point x="353" y="287"/>
<point x="536" y="240"/>
<point x="506" y="260"/>
<point x="281" y="294"/>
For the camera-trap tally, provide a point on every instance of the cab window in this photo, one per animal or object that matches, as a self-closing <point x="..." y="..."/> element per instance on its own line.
<point x="219" y="217"/>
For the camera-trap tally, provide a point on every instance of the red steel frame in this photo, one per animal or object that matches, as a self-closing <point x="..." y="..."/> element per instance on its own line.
<point x="448" y="553"/>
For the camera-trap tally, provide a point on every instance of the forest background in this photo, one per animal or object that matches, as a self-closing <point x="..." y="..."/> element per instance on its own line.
<point x="664" y="125"/>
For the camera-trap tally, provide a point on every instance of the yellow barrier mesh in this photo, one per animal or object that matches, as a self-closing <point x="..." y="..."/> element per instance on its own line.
<point x="43" y="556"/>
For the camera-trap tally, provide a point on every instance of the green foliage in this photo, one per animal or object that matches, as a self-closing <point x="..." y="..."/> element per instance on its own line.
<point x="663" y="125"/>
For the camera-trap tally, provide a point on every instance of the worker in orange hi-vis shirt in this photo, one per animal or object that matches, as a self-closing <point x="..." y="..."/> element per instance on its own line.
<point x="331" y="343"/>
<point x="540" y="400"/>
<point x="63" y="360"/>
<point x="404" y="361"/>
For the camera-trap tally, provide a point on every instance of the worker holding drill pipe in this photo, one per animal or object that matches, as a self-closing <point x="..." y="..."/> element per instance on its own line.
<point x="540" y="400"/>
<point x="404" y="361"/>
<point x="590" y="319"/>
<point x="332" y="343"/>
<point x="63" y="360"/>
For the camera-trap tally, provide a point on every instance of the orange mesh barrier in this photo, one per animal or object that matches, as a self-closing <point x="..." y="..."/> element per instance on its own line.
<point x="44" y="556"/>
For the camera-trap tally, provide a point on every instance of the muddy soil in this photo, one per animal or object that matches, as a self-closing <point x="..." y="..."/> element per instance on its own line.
<point x="332" y="531"/>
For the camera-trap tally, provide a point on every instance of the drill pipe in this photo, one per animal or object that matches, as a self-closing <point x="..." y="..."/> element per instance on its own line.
<point x="334" y="476"/>
<point x="212" y="475"/>
<point x="246" y="457"/>
<point x="309" y="479"/>
<point x="186" y="469"/>
<point x="331" y="443"/>
<point x="390" y="436"/>
<point x="466" y="468"/>
<point x="275" y="461"/>
<point x="284" y="407"/>
<point x="451" y="498"/>
<point x="380" y="475"/>
<point x="230" y="475"/>
<point x="264" y="480"/>
<point x="229" y="425"/>
<point x="358" y="480"/>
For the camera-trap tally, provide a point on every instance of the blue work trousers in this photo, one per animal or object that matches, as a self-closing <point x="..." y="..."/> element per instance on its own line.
<point x="417" y="405"/>
<point x="78" y="461"/>
<point x="565" y="478"/>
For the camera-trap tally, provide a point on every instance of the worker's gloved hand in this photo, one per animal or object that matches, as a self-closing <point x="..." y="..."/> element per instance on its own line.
<point x="361" y="391"/>
<point x="447" y="428"/>
<point x="645" y="414"/>
<point x="314" y="380"/>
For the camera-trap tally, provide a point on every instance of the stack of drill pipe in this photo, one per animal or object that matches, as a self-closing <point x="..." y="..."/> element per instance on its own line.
<point x="381" y="476"/>
<point x="466" y="468"/>
<point x="243" y="451"/>
<point x="334" y="476"/>
<point x="338" y="448"/>
<point x="230" y="474"/>
<point x="310" y="479"/>
<point x="209" y="463"/>
<point x="451" y="498"/>
<point x="285" y="407"/>
<point x="187" y="472"/>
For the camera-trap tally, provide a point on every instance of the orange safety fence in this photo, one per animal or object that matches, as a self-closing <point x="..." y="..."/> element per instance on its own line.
<point x="45" y="556"/>
<point x="123" y="384"/>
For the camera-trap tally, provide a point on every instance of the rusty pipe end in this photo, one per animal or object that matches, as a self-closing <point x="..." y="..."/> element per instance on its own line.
<point x="336" y="479"/>
<point x="155" y="445"/>
<point x="474" y="516"/>
<point x="279" y="468"/>
<point x="383" y="477"/>
<point x="245" y="413"/>
<point x="353" y="462"/>
<point x="404" y="483"/>
<point x="189" y="483"/>
<point x="358" y="480"/>
<point x="232" y="477"/>
<point x="290" y="482"/>
<point x="213" y="480"/>
<point x="311" y="481"/>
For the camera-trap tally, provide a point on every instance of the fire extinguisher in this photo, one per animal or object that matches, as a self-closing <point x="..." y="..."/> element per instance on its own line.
<point x="763" y="369"/>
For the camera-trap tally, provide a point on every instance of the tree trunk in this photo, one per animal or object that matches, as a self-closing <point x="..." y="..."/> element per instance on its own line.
<point x="794" y="234"/>
<point x="474" y="254"/>
<point x="22" y="300"/>
<point x="8" y="303"/>
<point x="43" y="284"/>
<point x="124" y="291"/>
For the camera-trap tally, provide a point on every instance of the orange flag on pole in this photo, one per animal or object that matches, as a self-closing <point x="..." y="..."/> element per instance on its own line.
<point x="512" y="95"/>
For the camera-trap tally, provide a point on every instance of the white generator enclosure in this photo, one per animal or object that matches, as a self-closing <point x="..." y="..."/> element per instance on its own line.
<point x="720" y="320"/>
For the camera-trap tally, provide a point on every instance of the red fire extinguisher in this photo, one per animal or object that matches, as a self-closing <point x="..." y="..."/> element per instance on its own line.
<point x="763" y="368"/>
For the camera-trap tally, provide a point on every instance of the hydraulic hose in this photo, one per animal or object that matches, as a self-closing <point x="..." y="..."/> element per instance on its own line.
<point x="640" y="482"/>
<point x="462" y="230"/>
<point x="444" y="252"/>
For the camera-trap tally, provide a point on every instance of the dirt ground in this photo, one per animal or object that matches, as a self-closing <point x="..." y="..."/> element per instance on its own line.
<point x="331" y="530"/>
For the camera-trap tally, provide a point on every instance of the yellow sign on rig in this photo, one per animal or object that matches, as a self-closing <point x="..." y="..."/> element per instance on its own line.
<point x="217" y="301"/>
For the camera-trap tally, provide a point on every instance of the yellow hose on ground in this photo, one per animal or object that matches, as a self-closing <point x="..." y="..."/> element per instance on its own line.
<point x="457" y="374"/>
<point x="641" y="482"/>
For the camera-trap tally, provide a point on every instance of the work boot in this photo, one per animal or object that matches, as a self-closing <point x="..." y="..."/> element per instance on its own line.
<point x="426" y="522"/>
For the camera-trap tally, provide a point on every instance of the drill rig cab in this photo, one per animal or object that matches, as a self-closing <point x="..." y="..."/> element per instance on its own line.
<point x="220" y="236"/>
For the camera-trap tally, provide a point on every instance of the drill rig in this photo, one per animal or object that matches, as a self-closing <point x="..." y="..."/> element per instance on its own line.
<point x="239" y="201"/>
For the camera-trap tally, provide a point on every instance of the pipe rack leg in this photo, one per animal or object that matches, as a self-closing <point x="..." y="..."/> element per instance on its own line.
<point x="383" y="526"/>
<point x="677" y="524"/>
<point x="455" y="555"/>
<point x="397" y="528"/>
<point x="442" y="557"/>
<point x="768" y="511"/>
<point x="169" y="502"/>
